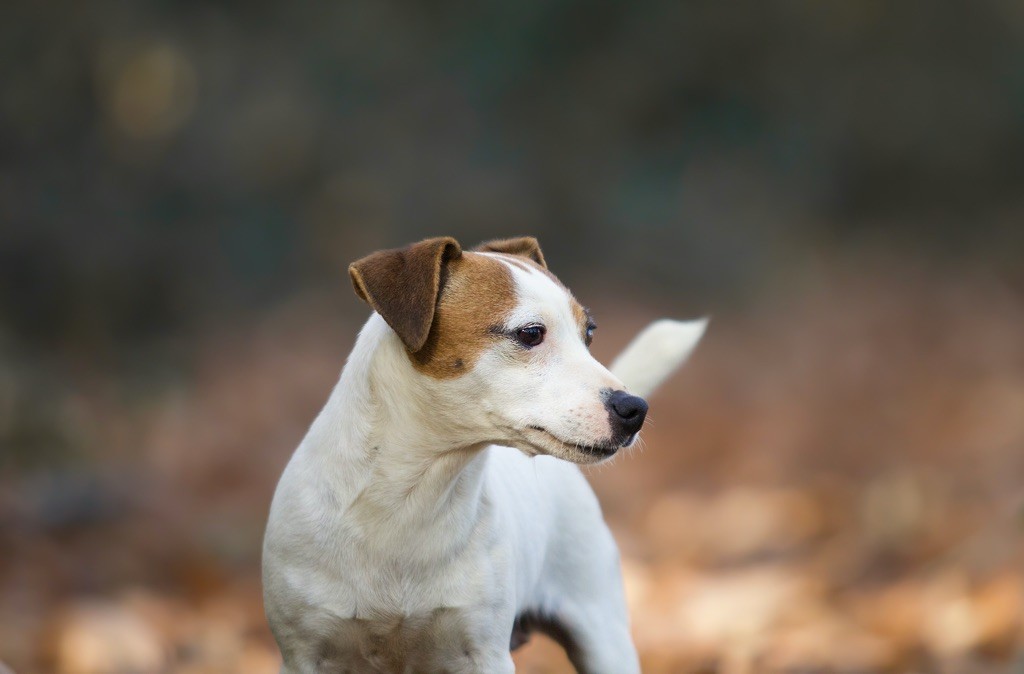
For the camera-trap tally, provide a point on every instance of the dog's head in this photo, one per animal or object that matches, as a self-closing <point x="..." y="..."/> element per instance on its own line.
<point x="501" y="347"/>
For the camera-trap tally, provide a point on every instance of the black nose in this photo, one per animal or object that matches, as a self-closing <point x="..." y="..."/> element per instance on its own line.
<point x="626" y="413"/>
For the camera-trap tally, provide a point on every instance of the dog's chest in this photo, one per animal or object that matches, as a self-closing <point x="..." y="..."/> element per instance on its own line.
<point x="430" y="643"/>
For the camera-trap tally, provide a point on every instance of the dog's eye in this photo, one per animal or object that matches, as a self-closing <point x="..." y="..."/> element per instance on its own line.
<point x="531" y="335"/>
<point x="590" y="333"/>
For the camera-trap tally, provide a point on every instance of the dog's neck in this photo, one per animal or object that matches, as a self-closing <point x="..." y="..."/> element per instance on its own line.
<point x="379" y="432"/>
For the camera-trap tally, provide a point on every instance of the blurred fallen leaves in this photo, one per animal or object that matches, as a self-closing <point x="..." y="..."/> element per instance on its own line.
<point x="140" y="631"/>
<point x="738" y="523"/>
<point x="98" y="637"/>
<point x="839" y="498"/>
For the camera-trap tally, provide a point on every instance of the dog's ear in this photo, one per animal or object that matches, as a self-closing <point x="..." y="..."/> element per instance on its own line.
<point x="402" y="285"/>
<point x="524" y="246"/>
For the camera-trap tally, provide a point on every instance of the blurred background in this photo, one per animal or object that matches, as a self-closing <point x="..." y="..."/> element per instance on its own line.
<point x="833" y="484"/>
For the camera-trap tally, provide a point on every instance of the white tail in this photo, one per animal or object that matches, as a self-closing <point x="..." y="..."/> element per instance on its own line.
<point x="655" y="353"/>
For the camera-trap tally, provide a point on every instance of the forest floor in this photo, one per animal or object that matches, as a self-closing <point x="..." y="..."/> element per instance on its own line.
<point x="831" y="485"/>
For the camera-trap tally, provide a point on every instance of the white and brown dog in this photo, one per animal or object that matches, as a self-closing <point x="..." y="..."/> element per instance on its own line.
<point x="405" y="534"/>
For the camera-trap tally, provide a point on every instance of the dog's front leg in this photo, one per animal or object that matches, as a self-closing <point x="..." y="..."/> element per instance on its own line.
<point x="583" y="603"/>
<point x="600" y="646"/>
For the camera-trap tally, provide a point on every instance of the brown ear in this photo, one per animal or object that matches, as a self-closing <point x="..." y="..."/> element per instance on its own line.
<point x="402" y="285"/>
<point x="524" y="246"/>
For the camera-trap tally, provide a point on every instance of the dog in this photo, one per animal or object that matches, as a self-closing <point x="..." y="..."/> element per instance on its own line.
<point x="435" y="515"/>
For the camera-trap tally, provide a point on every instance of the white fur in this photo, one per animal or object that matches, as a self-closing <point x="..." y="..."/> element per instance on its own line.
<point x="406" y="534"/>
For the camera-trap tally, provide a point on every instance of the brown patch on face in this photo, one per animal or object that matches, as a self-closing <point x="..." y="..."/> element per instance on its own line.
<point x="478" y="294"/>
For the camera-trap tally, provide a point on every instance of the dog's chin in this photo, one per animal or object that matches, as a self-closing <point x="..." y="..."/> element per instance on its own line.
<point x="541" y="441"/>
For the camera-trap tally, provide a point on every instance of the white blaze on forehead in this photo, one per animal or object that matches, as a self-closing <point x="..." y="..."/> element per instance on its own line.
<point x="541" y="299"/>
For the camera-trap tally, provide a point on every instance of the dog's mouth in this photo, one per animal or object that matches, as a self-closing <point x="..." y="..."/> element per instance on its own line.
<point x="600" y="451"/>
